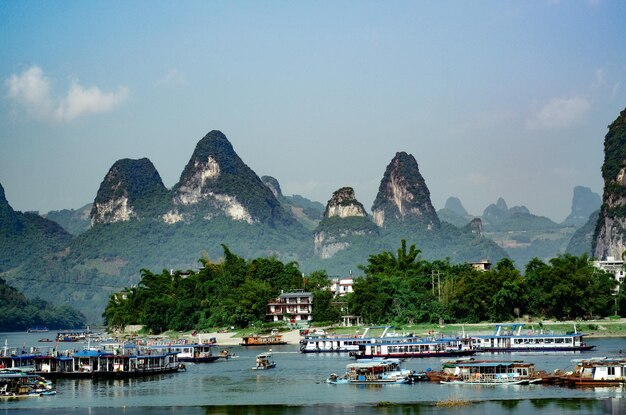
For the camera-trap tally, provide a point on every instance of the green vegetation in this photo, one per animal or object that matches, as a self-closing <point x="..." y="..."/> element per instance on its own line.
<point x="19" y="313"/>
<point x="398" y="288"/>
<point x="233" y="292"/>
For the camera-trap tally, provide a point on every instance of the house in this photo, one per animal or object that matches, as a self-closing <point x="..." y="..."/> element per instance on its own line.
<point x="613" y="266"/>
<point x="292" y="307"/>
<point x="341" y="286"/>
<point x="483" y="265"/>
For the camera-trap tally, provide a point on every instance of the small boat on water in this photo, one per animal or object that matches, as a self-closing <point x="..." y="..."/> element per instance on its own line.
<point x="596" y="371"/>
<point x="264" y="361"/>
<point x="18" y="384"/>
<point x="487" y="372"/>
<point x="372" y="372"/>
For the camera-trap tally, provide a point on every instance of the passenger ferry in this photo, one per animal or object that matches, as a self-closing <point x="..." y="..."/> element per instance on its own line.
<point x="597" y="371"/>
<point x="327" y="343"/>
<point x="403" y="348"/>
<point x="509" y="338"/>
<point x="489" y="372"/>
<point x="373" y="372"/>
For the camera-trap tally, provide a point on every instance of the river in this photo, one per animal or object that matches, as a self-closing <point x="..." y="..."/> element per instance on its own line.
<point x="297" y="385"/>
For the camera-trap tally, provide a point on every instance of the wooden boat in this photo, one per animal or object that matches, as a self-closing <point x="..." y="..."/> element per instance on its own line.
<point x="264" y="361"/>
<point x="257" y="340"/>
<point x="372" y="372"/>
<point x="489" y="372"/>
<point x="510" y="338"/>
<point x="597" y="371"/>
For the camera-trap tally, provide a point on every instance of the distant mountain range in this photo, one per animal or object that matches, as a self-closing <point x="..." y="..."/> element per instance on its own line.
<point x="135" y="222"/>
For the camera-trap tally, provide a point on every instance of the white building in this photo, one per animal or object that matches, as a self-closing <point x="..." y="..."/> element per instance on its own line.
<point x="614" y="266"/>
<point x="341" y="286"/>
<point x="292" y="307"/>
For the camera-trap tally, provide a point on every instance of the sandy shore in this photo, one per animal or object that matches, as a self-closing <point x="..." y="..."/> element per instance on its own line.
<point x="232" y="339"/>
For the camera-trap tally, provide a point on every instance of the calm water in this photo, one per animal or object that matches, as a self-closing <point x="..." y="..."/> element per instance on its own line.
<point x="297" y="385"/>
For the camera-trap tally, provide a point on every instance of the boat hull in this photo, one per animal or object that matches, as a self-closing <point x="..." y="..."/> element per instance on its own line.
<point x="106" y="375"/>
<point x="367" y="382"/>
<point x="535" y="349"/>
<point x="208" y="359"/>
<point x="454" y="353"/>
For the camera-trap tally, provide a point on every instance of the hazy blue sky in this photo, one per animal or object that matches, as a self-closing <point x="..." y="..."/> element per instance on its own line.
<point x="493" y="98"/>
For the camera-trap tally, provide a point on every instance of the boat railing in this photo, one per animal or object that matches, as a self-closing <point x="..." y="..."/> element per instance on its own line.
<point x="489" y="377"/>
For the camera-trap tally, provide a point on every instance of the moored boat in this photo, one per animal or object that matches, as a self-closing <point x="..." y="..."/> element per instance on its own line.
<point x="322" y="342"/>
<point x="417" y="347"/>
<point x="258" y="340"/>
<point x="509" y="338"/>
<point x="195" y="353"/>
<point x="597" y="371"/>
<point x="18" y="384"/>
<point x="487" y="372"/>
<point x="372" y="372"/>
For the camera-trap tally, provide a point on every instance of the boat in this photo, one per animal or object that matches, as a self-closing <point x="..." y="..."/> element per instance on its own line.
<point x="509" y="338"/>
<point x="93" y="363"/>
<point x="257" y="340"/>
<point x="38" y="329"/>
<point x="414" y="347"/>
<point x="264" y="361"/>
<point x="487" y="372"/>
<point x="322" y="342"/>
<point x="372" y="372"/>
<point x="195" y="353"/>
<point x="596" y="371"/>
<point x="19" y="384"/>
<point x="227" y="354"/>
<point x="71" y="336"/>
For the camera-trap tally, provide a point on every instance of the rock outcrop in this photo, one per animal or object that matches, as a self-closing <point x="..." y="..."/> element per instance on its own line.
<point x="476" y="227"/>
<point x="610" y="232"/>
<point x="584" y="203"/>
<point x="273" y="185"/>
<point x="403" y="196"/>
<point x="217" y="182"/>
<point x="132" y="189"/>
<point x="344" y="219"/>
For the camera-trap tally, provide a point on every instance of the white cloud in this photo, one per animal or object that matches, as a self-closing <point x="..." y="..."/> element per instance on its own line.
<point x="31" y="90"/>
<point x="558" y="113"/>
<point x="81" y="101"/>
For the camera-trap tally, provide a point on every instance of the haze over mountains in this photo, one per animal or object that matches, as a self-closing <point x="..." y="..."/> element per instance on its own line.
<point x="136" y="222"/>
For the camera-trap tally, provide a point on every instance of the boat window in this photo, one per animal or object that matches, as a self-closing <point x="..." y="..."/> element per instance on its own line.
<point x="611" y="370"/>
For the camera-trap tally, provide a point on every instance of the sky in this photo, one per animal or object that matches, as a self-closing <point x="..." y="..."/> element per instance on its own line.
<point x="492" y="98"/>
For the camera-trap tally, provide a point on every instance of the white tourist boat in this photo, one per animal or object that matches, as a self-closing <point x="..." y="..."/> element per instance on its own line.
<point x="512" y="338"/>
